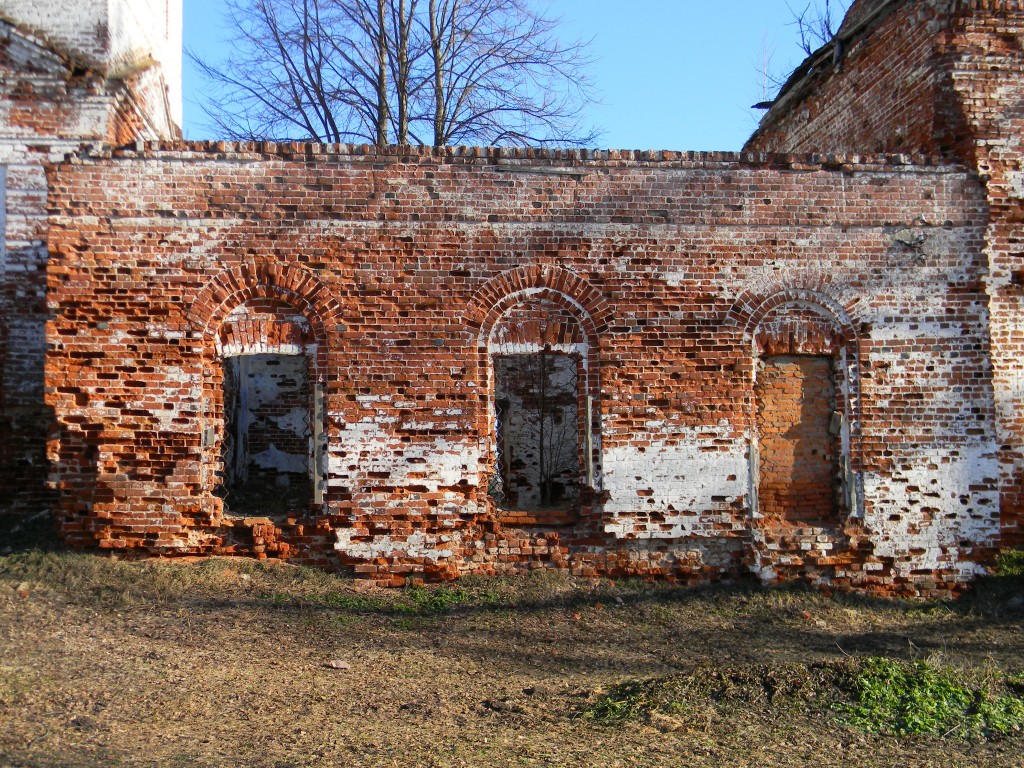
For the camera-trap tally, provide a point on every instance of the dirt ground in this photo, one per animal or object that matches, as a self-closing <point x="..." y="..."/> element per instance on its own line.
<point x="229" y="663"/>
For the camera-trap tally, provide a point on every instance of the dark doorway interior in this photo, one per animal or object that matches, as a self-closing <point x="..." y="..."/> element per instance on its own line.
<point x="267" y="436"/>
<point x="537" y="422"/>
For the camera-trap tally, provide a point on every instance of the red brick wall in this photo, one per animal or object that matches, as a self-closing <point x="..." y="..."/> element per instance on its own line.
<point x="988" y="72"/>
<point x="673" y="267"/>
<point x="880" y="97"/>
<point x="37" y="108"/>
<point x="940" y="78"/>
<point x="798" y="470"/>
<point x="47" y="110"/>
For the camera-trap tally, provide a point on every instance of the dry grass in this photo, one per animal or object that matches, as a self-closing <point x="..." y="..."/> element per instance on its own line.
<point x="228" y="662"/>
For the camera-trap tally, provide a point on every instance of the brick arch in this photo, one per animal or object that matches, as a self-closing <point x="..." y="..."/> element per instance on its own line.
<point x="538" y="321"/>
<point x="532" y="297"/>
<point x="793" y="306"/>
<point x="502" y="291"/>
<point x="258" y="325"/>
<point x="576" y="327"/>
<point x="255" y="280"/>
<point x="550" y="307"/>
<point x="258" y="307"/>
<point x="809" y="316"/>
<point x="815" y="292"/>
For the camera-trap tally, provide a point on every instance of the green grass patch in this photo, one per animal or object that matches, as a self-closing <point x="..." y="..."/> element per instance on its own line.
<point x="876" y="695"/>
<point x="1010" y="562"/>
<point x="628" y="701"/>
<point x="904" y="698"/>
<point x="412" y="601"/>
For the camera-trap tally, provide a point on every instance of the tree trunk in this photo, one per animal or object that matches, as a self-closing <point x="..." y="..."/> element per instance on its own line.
<point x="402" y="26"/>
<point x="383" y="116"/>
<point x="437" y="56"/>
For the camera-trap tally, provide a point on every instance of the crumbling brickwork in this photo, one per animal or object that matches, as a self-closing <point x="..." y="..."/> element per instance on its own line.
<point x="989" y="78"/>
<point x="668" y="276"/>
<point x="873" y="90"/>
<point x="63" y="81"/>
<point x="787" y="365"/>
<point x="942" y="78"/>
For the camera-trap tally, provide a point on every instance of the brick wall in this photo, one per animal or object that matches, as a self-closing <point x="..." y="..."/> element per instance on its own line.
<point x="877" y="94"/>
<point x="48" y="108"/>
<point x="798" y="475"/>
<point x="39" y="105"/>
<point x="942" y="78"/>
<point x="111" y="38"/>
<point x="988" y="73"/>
<point x="668" y="275"/>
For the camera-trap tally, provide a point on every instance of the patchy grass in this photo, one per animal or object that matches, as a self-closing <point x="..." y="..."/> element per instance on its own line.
<point x="225" y="662"/>
<point x="921" y="697"/>
<point x="876" y="694"/>
<point x="1010" y="562"/>
<point x="729" y="688"/>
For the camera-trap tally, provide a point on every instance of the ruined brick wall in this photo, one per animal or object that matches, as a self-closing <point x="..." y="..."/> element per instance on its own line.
<point x="987" y="68"/>
<point x="49" y="106"/>
<point x="44" y="113"/>
<point x="878" y="93"/>
<point x="668" y="276"/>
<point x="137" y="40"/>
<point x="939" y="77"/>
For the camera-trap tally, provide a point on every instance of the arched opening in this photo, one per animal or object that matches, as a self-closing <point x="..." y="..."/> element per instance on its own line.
<point x="542" y="390"/>
<point x="272" y="442"/>
<point x="267" y="450"/>
<point x="537" y="430"/>
<point x="805" y="398"/>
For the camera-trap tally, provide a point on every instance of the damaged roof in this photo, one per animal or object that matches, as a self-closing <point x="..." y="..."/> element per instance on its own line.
<point x="862" y="16"/>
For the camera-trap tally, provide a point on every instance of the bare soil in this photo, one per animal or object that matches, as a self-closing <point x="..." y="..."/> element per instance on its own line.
<point x="230" y="662"/>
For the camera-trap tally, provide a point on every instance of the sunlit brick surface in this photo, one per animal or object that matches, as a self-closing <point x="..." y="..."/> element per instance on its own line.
<point x="798" y="467"/>
<point x="936" y="78"/>
<point x="400" y="274"/>
<point x="694" y="292"/>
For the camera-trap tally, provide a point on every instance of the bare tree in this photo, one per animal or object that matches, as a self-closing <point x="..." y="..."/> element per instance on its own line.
<point x="281" y="77"/>
<point x="501" y="74"/>
<point x="398" y="71"/>
<point x="817" y="23"/>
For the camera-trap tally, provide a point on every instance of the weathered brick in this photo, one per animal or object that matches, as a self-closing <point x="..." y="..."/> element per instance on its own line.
<point x="692" y="292"/>
<point x="937" y="79"/>
<point x="401" y="320"/>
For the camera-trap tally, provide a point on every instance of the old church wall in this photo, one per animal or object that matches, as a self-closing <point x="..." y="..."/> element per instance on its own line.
<point x="669" y="277"/>
<point x="45" y="114"/>
<point x="873" y="89"/>
<point x="414" y="363"/>
<point x="942" y="77"/>
<point x="988" y="76"/>
<point x="64" y="81"/>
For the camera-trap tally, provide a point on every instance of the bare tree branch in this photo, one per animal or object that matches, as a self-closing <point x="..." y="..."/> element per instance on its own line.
<point x="393" y="71"/>
<point x="816" y="24"/>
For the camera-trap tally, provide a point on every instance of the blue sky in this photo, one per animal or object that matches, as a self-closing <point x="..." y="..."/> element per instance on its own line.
<point x="672" y="74"/>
